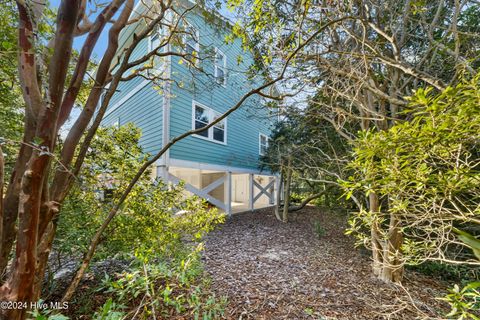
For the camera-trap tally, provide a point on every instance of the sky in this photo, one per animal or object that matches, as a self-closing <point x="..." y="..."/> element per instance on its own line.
<point x="100" y="48"/>
<point x="102" y="42"/>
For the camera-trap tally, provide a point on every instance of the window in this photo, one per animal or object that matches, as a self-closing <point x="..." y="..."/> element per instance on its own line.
<point x="202" y="116"/>
<point x="220" y="67"/>
<point x="190" y="42"/>
<point x="201" y="119"/>
<point x="157" y="65"/>
<point x="263" y="144"/>
<point x="154" y="41"/>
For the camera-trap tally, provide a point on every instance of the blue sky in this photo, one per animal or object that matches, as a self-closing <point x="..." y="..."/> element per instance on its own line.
<point x="101" y="45"/>
<point x="102" y="42"/>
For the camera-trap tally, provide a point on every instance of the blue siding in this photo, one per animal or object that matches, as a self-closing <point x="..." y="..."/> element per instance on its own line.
<point x="125" y="87"/>
<point x="144" y="109"/>
<point x="243" y="126"/>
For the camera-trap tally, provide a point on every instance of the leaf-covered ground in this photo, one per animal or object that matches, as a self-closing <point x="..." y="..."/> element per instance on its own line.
<point x="273" y="270"/>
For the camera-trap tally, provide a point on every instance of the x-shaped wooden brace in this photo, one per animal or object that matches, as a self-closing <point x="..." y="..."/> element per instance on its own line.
<point x="263" y="190"/>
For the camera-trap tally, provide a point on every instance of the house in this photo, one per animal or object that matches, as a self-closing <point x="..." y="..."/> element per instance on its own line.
<point x="222" y="163"/>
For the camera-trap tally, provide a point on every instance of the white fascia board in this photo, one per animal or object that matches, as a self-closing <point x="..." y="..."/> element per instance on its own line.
<point x="214" y="167"/>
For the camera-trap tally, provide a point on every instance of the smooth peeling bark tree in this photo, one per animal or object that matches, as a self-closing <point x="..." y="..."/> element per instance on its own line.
<point x="40" y="180"/>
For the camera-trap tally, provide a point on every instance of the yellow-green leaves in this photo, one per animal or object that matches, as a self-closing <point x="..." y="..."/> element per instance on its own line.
<point x="426" y="171"/>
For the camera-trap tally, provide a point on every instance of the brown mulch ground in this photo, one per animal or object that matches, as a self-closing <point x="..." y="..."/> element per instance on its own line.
<point x="273" y="270"/>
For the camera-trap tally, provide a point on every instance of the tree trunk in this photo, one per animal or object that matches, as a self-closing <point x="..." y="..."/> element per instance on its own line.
<point x="375" y="235"/>
<point x="279" y="196"/>
<point x="287" y="190"/>
<point x="392" y="266"/>
<point x="387" y="264"/>
<point x="307" y="201"/>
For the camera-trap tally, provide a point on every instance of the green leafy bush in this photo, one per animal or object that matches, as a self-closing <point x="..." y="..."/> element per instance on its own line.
<point x="166" y="289"/>
<point x="155" y="219"/>
<point x="426" y="172"/>
<point x="465" y="302"/>
<point x="159" y="227"/>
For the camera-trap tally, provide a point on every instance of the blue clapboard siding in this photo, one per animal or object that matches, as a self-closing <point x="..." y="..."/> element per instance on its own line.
<point x="144" y="109"/>
<point x="125" y="87"/>
<point x="243" y="126"/>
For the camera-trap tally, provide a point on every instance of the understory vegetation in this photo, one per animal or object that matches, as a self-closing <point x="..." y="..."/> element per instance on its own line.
<point x="375" y="112"/>
<point x="152" y="249"/>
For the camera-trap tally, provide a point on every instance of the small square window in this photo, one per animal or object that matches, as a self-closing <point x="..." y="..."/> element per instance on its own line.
<point x="202" y="117"/>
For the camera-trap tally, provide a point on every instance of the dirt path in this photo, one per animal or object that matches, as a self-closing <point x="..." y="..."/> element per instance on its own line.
<point x="271" y="270"/>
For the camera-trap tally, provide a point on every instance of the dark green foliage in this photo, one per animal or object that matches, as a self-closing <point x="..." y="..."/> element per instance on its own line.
<point x="165" y="289"/>
<point x="319" y="230"/>
<point x="427" y="170"/>
<point x="11" y="103"/>
<point x="448" y="272"/>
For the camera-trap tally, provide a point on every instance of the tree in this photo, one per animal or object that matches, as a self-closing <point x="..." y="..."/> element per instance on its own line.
<point x="40" y="181"/>
<point x="10" y="95"/>
<point x="429" y="167"/>
<point x="304" y="147"/>
<point x="367" y="63"/>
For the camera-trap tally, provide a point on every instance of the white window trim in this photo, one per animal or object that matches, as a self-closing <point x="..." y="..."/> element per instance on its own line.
<point x="211" y="114"/>
<point x="159" y="62"/>
<point x="150" y="47"/>
<point x="260" y="135"/>
<point x="196" y="38"/>
<point x="217" y="50"/>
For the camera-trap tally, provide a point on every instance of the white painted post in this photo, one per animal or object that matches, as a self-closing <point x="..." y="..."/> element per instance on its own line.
<point x="162" y="173"/>
<point x="277" y="187"/>
<point x="250" y="192"/>
<point x="228" y="195"/>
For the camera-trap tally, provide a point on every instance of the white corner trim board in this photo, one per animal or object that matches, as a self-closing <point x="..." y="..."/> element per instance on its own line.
<point x="126" y="97"/>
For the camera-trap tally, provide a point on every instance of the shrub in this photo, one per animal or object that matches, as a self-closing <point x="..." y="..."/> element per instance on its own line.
<point x="166" y="289"/>
<point x="426" y="172"/>
<point x="319" y="230"/>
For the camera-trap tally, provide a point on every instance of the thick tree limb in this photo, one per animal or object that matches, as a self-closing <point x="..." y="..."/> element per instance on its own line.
<point x="20" y="284"/>
<point x="307" y="201"/>
<point x="83" y="59"/>
<point x="113" y="212"/>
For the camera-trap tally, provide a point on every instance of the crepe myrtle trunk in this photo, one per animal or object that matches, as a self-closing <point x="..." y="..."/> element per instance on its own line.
<point x="33" y="192"/>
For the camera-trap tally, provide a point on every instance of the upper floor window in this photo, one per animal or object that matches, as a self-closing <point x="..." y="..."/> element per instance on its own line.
<point x="262" y="144"/>
<point x="202" y="116"/>
<point x="154" y="40"/>
<point x="220" y="67"/>
<point x="191" y="43"/>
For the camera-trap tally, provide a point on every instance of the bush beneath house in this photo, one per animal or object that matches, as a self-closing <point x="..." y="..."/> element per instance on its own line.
<point x="148" y="249"/>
